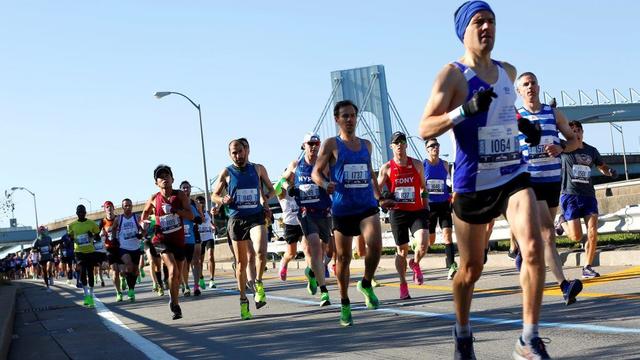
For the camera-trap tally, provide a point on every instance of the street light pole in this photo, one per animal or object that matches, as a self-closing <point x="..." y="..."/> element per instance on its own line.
<point x="624" y="151"/>
<point x="35" y="205"/>
<point x="161" y="94"/>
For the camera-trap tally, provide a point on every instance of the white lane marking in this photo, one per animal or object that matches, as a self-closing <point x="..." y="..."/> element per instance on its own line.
<point x="151" y="350"/>
<point x="480" y="319"/>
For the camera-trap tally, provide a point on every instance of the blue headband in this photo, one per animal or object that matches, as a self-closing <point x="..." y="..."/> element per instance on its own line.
<point x="464" y="14"/>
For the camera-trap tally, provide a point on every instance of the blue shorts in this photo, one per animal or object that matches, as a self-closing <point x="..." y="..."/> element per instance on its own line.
<point x="578" y="206"/>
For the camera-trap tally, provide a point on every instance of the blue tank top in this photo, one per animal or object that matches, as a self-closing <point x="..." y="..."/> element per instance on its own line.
<point x="353" y="193"/>
<point x="543" y="169"/>
<point x="309" y="195"/>
<point x="189" y="235"/>
<point x="244" y="188"/>
<point x="486" y="145"/>
<point x="436" y="177"/>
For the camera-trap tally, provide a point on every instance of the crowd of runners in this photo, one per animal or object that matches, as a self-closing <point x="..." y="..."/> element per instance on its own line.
<point x="519" y="163"/>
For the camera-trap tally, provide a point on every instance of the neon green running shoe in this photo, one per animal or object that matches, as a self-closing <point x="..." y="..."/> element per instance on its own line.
<point x="202" y="284"/>
<point x="324" y="299"/>
<point x="90" y="303"/>
<point x="260" y="297"/>
<point x="370" y="297"/>
<point x="142" y="274"/>
<point x="245" y="314"/>
<point x="312" y="283"/>
<point x="345" y="316"/>
<point x="86" y="300"/>
<point x="160" y="291"/>
<point x="118" y="296"/>
<point x="132" y="295"/>
<point x="374" y="283"/>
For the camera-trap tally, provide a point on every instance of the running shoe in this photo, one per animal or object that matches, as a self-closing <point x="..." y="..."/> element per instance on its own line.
<point x="118" y="297"/>
<point x="283" y="273"/>
<point x="326" y="271"/>
<point x="374" y="283"/>
<point x="138" y="279"/>
<point x="571" y="291"/>
<point x="176" y="310"/>
<point x="142" y="274"/>
<point x="558" y="225"/>
<point x="519" y="261"/>
<point x="260" y="297"/>
<point x="212" y="284"/>
<point x="418" y="278"/>
<point x="324" y="299"/>
<point x="588" y="272"/>
<point x="463" y="347"/>
<point x="512" y="254"/>
<point x="160" y="291"/>
<point x="90" y="303"/>
<point x="202" y="284"/>
<point x="312" y="283"/>
<point x="532" y="351"/>
<point x="186" y="292"/>
<point x="69" y="282"/>
<point x="132" y="295"/>
<point x="345" y="316"/>
<point x="245" y="314"/>
<point x="123" y="283"/>
<point x="453" y="269"/>
<point x="370" y="298"/>
<point x="86" y="300"/>
<point x="196" y="290"/>
<point x="404" y="292"/>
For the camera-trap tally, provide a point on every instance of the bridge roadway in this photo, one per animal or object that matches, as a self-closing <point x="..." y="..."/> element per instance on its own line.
<point x="604" y="323"/>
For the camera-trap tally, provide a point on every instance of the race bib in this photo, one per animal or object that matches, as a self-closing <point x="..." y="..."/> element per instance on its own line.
<point x="247" y="198"/>
<point x="170" y="223"/>
<point x="356" y="176"/>
<point x="309" y="193"/>
<point x="83" y="239"/>
<point x="498" y="146"/>
<point x="405" y="194"/>
<point x="435" y="186"/>
<point x="44" y="250"/>
<point x="581" y="174"/>
<point x="537" y="154"/>
<point x="98" y="245"/>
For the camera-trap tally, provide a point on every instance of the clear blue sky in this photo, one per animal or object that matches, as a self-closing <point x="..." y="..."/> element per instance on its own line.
<point x="78" y="117"/>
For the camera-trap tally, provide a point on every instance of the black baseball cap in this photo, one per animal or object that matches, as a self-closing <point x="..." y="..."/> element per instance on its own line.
<point x="161" y="169"/>
<point x="398" y="136"/>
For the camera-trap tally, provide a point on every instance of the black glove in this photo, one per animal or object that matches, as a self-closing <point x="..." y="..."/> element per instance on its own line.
<point x="479" y="102"/>
<point x="197" y="220"/>
<point x="293" y="191"/>
<point x="614" y="173"/>
<point x="531" y="132"/>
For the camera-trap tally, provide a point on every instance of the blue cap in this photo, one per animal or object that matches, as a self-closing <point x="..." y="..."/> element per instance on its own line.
<point x="465" y="12"/>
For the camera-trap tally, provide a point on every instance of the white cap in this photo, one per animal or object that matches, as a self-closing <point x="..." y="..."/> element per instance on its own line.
<point x="310" y="137"/>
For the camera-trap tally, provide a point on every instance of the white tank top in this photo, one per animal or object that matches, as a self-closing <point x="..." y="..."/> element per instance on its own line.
<point x="289" y="210"/>
<point x="127" y="231"/>
<point x="206" y="233"/>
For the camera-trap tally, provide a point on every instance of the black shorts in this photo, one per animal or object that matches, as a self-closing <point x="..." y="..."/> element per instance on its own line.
<point x="239" y="227"/>
<point x="404" y="221"/>
<point x="320" y="225"/>
<point x="349" y="225"/>
<point x="100" y="257"/>
<point x="292" y="233"/>
<point x="113" y="256"/>
<point x="170" y="248"/>
<point x="549" y="192"/>
<point x="188" y="251"/>
<point x="67" y="260"/>
<point x="85" y="259"/>
<point x="483" y="206"/>
<point x="135" y="255"/>
<point x="439" y="212"/>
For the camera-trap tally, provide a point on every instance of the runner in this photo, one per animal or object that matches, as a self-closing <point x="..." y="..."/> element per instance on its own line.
<point x="112" y="246"/>
<point x="578" y="197"/>
<point x="192" y="245"/>
<point x="292" y="230"/>
<point x="545" y="167"/>
<point x="313" y="215"/>
<point x="247" y="200"/>
<point x="208" y="243"/>
<point x="84" y="232"/>
<point x="436" y="174"/>
<point x="170" y="208"/>
<point x="43" y="245"/>
<point x="127" y="230"/>
<point x="404" y="177"/>
<point x="153" y="256"/>
<point x="105" y="225"/>
<point x="475" y="98"/>
<point x="356" y="197"/>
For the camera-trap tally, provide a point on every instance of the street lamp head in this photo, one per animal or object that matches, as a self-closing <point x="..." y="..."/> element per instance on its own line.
<point x="16" y="188"/>
<point x="161" y="94"/>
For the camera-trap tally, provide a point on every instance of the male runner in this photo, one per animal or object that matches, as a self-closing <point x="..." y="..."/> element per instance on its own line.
<point x="436" y="174"/>
<point x="84" y="232"/>
<point x="474" y="97"/>
<point x="356" y="197"/>
<point x="129" y="233"/>
<point x="404" y="178"/>
<point x="65" y="249"/>
<point x="313" y="214"/>
<point x="192" y="245"/>
<point x="292" y="230"/>
<point x="578" y="199"/>
<point x="244" y="184"/>
<point x="112" y="246"/>
<point x="545" y="167"/>
<point x="170" y="207"/>
<point x="44" y="246"/>
<point x="208" y="243"/>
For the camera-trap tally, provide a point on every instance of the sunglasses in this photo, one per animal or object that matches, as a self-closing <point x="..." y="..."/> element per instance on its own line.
<point x="400" y="142"/>
<point x="313" y="143"/>
<point x="434" y="146"/>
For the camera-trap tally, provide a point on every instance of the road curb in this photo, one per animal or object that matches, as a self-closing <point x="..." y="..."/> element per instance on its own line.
<point x="7" y="316"/>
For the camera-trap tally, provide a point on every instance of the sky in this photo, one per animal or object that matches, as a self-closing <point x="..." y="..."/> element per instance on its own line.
<point x="79" y="119"/>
